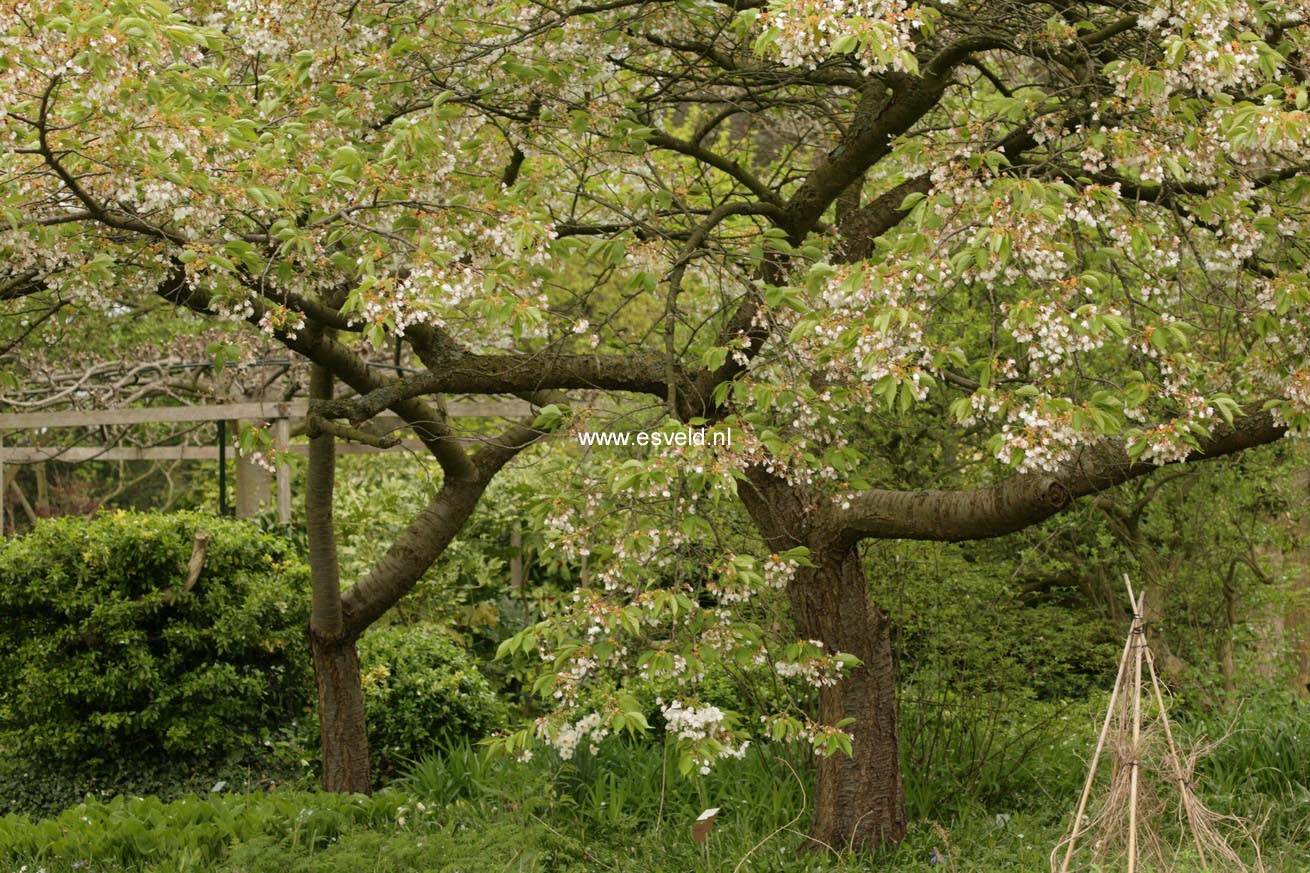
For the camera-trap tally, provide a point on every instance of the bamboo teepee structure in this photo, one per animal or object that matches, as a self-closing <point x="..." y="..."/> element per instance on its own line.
<point x="1119" y="825"/>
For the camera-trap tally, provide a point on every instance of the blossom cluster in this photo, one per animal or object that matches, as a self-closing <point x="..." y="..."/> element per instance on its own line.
<point x="566" y="736"/>
<point x="880" y="33"/>
<point x="1036" y="440"/>
<point x="812" y="664"/>
<point x="696" y="725"/>
<point x="1168" y="442"/>
<point x="1201" y="38"/>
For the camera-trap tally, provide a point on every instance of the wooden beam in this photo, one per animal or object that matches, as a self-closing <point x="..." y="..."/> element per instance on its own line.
<point x="259" y="411"/>
<point x="153" y="415"/>
<point x="489" y="409"/>
<point x="77" y="454"/>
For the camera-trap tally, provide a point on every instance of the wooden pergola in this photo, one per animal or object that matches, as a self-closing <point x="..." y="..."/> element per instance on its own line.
<point x="280" y="414"/>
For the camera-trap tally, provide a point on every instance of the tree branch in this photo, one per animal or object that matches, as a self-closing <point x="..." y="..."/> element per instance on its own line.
<point x="763" y="192"/>
<point x="1024" y="499"/>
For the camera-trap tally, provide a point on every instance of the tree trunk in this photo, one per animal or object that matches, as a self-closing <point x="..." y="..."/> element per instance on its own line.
<point x="342" y="736"/>
<point x="1227" y="666"/>
<point x="859" y="801"/>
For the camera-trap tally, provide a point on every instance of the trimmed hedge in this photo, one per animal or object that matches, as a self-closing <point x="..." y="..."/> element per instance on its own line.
<point x="103" y="662"/>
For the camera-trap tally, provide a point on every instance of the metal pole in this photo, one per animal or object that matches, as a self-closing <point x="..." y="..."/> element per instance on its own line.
<point x="222" y="467"/>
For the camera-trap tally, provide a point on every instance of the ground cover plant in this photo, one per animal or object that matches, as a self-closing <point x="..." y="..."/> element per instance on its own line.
<point x="460" y="810"/>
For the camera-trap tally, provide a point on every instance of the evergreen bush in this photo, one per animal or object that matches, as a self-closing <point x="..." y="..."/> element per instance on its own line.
<point x="108" y="657"/>
<point x="421" y="690"/>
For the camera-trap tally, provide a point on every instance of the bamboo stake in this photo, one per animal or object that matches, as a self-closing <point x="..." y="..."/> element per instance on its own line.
<point x="1136" y="636"/>
<point x="1117" y="712"/>
<point x="1096" y="757"/>
<point x="1184" y="790"/>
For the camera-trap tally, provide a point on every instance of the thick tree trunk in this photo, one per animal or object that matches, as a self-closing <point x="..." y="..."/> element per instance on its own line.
<point x="342" y="736"/>
<point x="859" y="801"/>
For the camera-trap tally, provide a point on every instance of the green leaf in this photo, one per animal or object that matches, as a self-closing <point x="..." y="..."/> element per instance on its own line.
<point x="714" y="358"/>
<point x="911" y="200"/>
<point x="550" y="417"/>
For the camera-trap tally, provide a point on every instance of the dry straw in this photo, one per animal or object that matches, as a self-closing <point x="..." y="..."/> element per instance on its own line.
<point x="1149" y="776"/>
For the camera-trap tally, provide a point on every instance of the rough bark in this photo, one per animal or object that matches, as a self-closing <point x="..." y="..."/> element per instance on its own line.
<point x="341" y="714"/>
<point x="324" y="572"/>
<point x="859" y="801"/>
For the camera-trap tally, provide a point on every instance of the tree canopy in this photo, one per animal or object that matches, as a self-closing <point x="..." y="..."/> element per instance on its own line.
<point x="1067" y="239"/>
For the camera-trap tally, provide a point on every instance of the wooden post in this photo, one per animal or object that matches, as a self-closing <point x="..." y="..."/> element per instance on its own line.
<point x="1135" y="763"/>
<point x="42" y="490"/>
<point x="282" y="443"/>
<point x="252" y="483"/>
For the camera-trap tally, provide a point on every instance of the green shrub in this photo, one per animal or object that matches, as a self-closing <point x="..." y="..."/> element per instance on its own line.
<point x="421" y="690"/>
<point x="107" y="659"/>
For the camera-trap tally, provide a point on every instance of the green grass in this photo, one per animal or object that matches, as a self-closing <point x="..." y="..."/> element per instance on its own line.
<point x="625" y="810"/>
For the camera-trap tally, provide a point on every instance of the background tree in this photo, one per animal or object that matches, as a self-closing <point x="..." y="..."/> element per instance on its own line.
<point x="45" y="262"/>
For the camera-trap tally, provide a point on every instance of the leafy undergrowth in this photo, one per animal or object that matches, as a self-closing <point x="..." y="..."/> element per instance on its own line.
<point x="283" y="760"/>
<point x="459" y="813"/>
<point x="625" y="810"/>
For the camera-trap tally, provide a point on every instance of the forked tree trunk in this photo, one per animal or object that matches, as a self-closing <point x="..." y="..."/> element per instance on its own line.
<point x="343" y="739"/>
<point x="859" y="801"/>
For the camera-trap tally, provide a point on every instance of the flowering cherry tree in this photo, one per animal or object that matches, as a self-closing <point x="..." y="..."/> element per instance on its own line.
<point x="1074" y="232"/>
